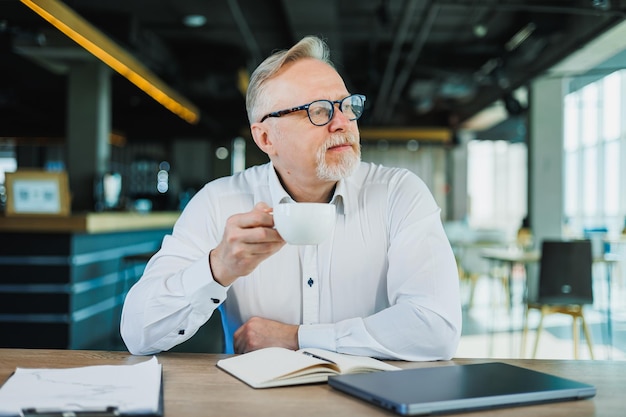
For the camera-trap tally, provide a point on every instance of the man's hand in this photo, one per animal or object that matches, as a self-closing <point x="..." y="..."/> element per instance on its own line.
<point x="249" y="238"/>
<point x="259" y="333"/>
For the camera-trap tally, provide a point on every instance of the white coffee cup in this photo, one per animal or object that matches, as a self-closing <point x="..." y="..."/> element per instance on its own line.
<point x="304" y="223"/>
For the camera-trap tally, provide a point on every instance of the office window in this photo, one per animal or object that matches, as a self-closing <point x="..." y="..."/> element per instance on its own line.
<point x="571" y="184"/>
<point x="571" y="125"/>
<point x="8" y="163"/>
<point x="594" y="148"/>
<point x="497" y="184"/>
<point x="571" y="142"/>
<point x="612" y="178"/>
<point x="590" y="181"/>
<point x="611" y="106"/>
<point x="589" y="102"/>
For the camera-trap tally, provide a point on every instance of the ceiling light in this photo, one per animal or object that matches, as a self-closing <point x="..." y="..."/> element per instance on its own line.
<point x="194" y="20"/>
<point x="103" y="48"/>
<point x="480" y="31"/>
<point x="523" y="34"/>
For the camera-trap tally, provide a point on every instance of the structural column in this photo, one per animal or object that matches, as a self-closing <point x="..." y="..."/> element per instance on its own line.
<point x="88" y="130"/>
<point x="546" y="170"/>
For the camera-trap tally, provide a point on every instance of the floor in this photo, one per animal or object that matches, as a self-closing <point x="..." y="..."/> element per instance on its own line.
<point x="492" y="330"/>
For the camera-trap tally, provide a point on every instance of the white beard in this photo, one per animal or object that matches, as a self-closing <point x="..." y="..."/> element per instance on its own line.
<point x="348" y="162"/>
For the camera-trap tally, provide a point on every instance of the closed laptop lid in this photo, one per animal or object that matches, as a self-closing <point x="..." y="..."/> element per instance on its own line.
<point x="445" y="389"/>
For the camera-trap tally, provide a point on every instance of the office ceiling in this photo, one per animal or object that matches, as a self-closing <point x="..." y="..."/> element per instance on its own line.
<point x="421" y="63"/>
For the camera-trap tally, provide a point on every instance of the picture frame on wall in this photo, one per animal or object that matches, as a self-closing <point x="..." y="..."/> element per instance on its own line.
<point x="37" y="193"/>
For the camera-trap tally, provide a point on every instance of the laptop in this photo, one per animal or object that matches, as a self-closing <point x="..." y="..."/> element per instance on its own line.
<point x="459" y="388"/>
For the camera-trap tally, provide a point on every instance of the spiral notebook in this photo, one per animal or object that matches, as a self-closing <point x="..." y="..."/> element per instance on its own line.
<point x="457" y="388"/>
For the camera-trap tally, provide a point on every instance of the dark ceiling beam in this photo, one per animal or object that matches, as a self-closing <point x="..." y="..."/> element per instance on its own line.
<point x="248" y="37"/>
<point x="408" y="16"/>
<point x="405" y="72"/>
<point x="56" y="55"/>
<point x="321" y="18"/>
<point x="602" y="9"/>
<point x="574" y="41"/>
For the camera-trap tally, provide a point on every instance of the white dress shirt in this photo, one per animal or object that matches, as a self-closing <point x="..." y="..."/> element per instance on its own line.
<point x="384" y="285"/>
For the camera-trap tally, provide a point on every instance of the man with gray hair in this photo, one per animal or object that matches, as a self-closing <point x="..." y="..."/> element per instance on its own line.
<point x="385" y="284"/>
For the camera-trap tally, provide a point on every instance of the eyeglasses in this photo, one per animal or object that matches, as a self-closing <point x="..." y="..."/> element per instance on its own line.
<point x="321" y="112"/>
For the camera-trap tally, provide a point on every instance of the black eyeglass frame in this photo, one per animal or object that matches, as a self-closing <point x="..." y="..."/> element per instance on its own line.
<point x="285" y="112"/>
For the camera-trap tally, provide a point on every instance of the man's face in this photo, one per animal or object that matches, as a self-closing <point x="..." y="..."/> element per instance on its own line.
<point x="299" y="150"/>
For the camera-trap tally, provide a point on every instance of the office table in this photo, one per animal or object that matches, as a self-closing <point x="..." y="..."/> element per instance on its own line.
<point x="470" y="262"/>
<point x="195" y="387"/>
<point x="511" y="257"/>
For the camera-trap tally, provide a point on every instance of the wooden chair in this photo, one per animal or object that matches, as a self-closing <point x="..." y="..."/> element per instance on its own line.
<point x="564" y="286"/>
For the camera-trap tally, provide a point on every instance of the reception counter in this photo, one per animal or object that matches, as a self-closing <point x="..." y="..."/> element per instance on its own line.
<point x="63" y="279"/>
<point x="105" y="222"/>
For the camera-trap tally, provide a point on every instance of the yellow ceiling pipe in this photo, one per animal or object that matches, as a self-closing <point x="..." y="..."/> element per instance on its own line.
<point x="440" y="135"/>
<point x="98" y="44"/>
<point x="426" y="134"/>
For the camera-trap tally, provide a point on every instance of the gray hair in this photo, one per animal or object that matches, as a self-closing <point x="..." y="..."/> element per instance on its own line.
<point x="308" y="47"/>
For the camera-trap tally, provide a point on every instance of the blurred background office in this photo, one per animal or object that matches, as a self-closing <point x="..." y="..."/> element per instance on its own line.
<point x="513" y="112"/>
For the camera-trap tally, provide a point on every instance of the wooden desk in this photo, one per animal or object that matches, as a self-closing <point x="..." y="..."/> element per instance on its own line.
<point x="194" y="386"/>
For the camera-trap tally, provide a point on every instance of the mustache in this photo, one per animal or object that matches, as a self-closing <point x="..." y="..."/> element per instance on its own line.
<point x="337" y="139"/>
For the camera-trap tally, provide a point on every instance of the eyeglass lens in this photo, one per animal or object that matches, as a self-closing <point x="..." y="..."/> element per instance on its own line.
<point x="321" y="111"/>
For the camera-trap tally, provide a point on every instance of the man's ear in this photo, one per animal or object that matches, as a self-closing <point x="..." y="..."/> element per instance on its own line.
<point x="262" y="138"/>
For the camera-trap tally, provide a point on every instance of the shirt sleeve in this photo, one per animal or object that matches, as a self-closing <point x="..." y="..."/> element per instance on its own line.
<point x="177" y="293"/>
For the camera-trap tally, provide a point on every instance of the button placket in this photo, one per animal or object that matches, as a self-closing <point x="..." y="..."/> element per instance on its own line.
<point x="310" y="285"/>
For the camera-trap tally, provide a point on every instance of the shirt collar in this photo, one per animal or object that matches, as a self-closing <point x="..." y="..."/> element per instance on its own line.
<point x="277" y="192"/>
<point x="279" y="195"/>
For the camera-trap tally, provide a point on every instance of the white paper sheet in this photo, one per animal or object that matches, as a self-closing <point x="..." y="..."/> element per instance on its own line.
<point x="134" y="389"/>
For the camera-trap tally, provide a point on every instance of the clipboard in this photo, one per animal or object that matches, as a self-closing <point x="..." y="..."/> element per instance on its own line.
<point x="110" y="411"/>
<point x="90" y="391"/>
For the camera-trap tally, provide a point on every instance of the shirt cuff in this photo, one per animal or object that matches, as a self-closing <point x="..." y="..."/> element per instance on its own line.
<point x="320" y="336"/>
<point x="204" y="293"/>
